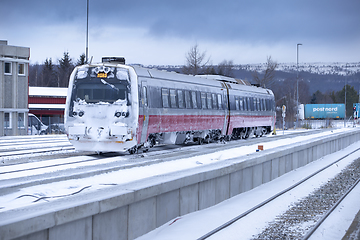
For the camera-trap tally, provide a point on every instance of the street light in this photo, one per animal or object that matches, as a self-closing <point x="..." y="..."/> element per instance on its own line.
<point x="345" y="94"/>
<point x="297" y="84"/>
<point x="87" y="32"/>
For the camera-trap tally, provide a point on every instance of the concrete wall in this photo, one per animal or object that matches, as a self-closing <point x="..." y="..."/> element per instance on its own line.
<point x="131" y="210"/>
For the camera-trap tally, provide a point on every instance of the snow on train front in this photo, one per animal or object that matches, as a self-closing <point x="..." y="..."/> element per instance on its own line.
<point x="102" y="108"/>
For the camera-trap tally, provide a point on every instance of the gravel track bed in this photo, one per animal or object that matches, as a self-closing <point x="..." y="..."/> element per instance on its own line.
<point x="303" y="215"/>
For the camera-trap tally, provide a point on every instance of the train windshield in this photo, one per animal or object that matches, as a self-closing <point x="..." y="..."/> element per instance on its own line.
<point x="101" y="85"/>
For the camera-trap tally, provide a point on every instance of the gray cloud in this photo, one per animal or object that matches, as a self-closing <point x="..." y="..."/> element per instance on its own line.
<point x="260" y="20"/>
<point x="252" y="22"/>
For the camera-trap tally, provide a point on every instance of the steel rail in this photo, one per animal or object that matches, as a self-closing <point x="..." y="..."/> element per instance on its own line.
<point x="327" y="214"/>
<point x="227" y="224"/>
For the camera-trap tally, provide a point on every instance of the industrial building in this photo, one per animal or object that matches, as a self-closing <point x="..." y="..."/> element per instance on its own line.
<point x="48" y="103"/>
<point x="14" y="72"/>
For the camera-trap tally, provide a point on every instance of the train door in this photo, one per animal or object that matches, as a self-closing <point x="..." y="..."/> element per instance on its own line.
<point x="226" y="109"/>
<point x="144" y="111"/>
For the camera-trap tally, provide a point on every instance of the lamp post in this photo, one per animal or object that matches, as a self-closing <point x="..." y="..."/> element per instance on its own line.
<point x="345" y="94"/>
<point x="297" y="84"/>
<point x="87" y="32"/>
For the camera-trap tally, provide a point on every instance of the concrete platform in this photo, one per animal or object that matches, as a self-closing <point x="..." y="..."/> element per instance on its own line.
<point x="130" y="210"/>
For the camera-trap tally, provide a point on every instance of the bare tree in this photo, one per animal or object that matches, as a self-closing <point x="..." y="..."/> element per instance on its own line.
<point x="195" y="61"/>
<point x="35" y="73"/>
<point x="225" y="68"/>
<point x="267" y="79"/>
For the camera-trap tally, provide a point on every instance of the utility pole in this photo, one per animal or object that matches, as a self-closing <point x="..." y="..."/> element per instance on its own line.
<point x="345" y="93"/>
<point x="297" y="84"/>
<point x="87" y="32"/>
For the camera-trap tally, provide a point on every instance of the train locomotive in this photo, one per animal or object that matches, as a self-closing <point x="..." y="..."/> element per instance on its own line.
<point x="113" y="107"/>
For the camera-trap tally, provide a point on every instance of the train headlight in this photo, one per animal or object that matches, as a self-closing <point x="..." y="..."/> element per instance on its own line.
<point x="118" y="114"/>
<point x="121" y="114"/>
<point x="80" y="113"/>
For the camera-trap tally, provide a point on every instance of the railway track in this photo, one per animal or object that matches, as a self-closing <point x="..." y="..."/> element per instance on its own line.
<point x="305" y="216"/>
<point x="18" y="146"/>
<point x="21" y="149"/>
<point x="313" y="230"/>
<point x="74" y="165"/>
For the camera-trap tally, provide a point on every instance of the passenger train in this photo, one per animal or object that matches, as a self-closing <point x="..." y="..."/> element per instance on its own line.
<point x="115" y="107"/>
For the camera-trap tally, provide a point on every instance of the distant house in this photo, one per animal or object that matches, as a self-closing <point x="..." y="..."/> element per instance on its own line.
<point x="14" y="72"/>
<point x="48" y="103"/>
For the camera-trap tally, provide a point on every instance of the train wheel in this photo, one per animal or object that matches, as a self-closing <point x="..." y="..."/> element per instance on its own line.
<point x="200" y="141"/>
<point x="132" y="150"/>
<point x="245" y="133"/>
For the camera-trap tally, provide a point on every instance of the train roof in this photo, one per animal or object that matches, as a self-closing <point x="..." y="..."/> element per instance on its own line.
<point x="209" y="80"/>
<point x="213" y="80"/>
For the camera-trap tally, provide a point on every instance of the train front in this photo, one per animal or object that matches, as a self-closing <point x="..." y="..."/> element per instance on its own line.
<point x="102" y="111"/>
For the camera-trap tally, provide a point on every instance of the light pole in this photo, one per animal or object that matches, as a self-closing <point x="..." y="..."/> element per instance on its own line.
<point x="297" y="84"/>
<point x="345" y="94"/>
<point x="87" y="32"/>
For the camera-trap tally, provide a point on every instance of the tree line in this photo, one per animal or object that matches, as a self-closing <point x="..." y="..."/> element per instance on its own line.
<point x="285" y="90"/>
<point x="50" y="74"/>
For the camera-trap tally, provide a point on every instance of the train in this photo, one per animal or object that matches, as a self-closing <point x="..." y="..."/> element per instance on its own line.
<point x="114" y="107"/>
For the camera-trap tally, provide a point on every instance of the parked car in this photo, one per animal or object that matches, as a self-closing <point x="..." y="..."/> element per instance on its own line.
<point x="35" y="126"/>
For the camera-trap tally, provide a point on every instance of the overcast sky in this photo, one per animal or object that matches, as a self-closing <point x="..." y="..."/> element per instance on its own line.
<point x="163" y="31"/>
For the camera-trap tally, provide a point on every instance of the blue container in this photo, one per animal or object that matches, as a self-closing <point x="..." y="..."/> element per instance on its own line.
<point x="324" y="111"/>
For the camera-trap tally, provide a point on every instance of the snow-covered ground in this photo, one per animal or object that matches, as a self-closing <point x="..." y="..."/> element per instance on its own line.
<point x="340" y="68"/>
<point x="198" y="223"/>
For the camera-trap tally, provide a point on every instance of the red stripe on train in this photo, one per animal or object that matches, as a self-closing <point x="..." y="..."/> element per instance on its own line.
<point x="178" y="123"/>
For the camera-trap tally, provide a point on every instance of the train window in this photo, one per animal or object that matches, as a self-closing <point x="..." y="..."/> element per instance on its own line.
<point x="165" y="97"/>
<point x="144" y="96"/>
<point x="194" y="99"/>
<point x="173" y="103"/>
<point x="203" y="100"/>
<point x="237" y="103"/>
<point x="214" y="101"/>
<point x="209" y="103"/>
<point x="219" y="101"/>
<point x="241" y="107"/>
<point x="187" y="99"/>
<point x="181" y="98"/>
<point x="258" y="104"/>
<point x="252" y="106"/>
<point x="263" y="104"/>
<point x="245" y="104"/>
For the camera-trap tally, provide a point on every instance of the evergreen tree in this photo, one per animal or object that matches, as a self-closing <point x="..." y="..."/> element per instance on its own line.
<point x="48" y="74"/>
<point x="81" y="60"/>
<point x="351" y="97"/>
<point x="65" y="68"/>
